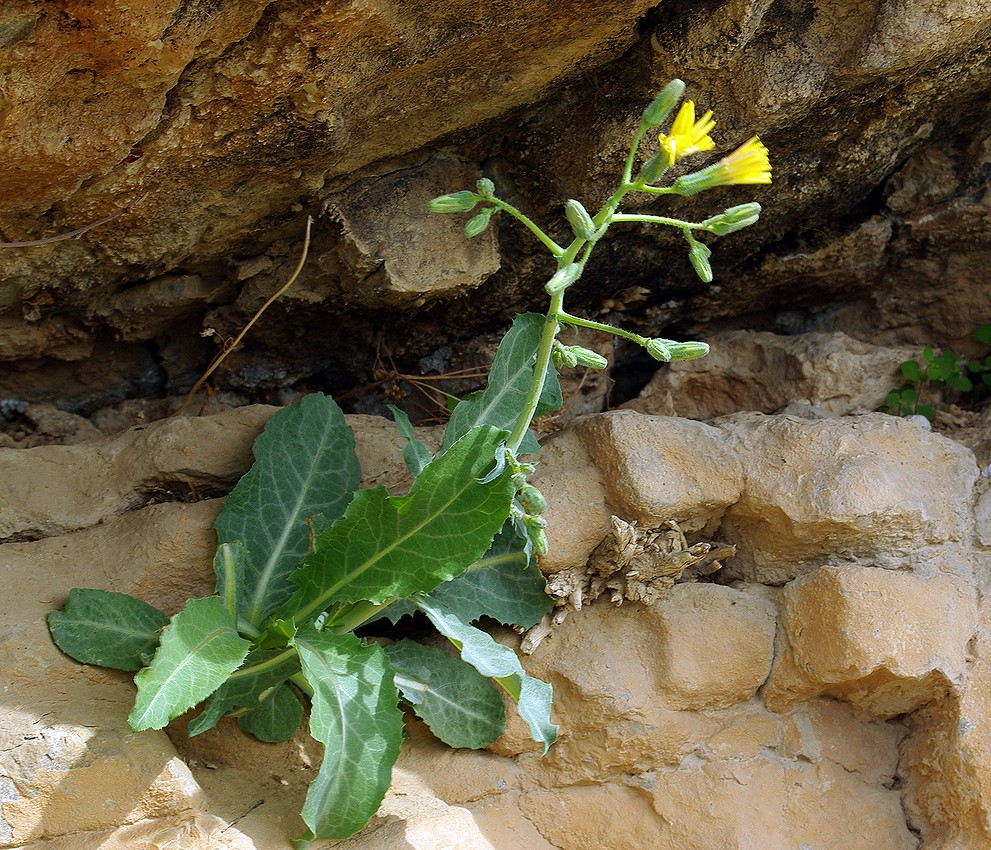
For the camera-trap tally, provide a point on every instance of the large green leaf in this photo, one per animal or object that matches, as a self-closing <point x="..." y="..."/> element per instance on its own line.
<point x="262" y="670"/>
<point x="305" y="465"/>
<point x="356" y="717"/>
<point x="106" y="628"/>
<point x="458" y="704"/>
<point x="415" y="453"/>
<point x="388" y="547"/>
<point x="276" y="718"/>
<point x="503" y="585"/>
<point x="200" y="648"/>
<point x="499" y="662"/>
<point x="500" y="403"/>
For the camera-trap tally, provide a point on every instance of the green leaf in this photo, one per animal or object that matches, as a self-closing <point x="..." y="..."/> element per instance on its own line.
<point x="983" y="334"/>
<point x="504" y="585"/>
<point x="911" y="370"/>
<point x="500" y="403"/>
<point x="262" y="670"/>
<point x="200" y="648"/>
<point x="356" y="717"/>
<point x="499" y="662"/>
<point x="387" y="546"/>
<point x="415" y="453"/>
<point x="305" y="465"/>
<point x="106" y="628"/>
<point x="276" y="718"/>
<point x="458" y="704"/>
<point x="909" y="396"/>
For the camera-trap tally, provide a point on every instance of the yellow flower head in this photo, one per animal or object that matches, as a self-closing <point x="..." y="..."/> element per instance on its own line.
<point x="747" y="164"/>
<point x="687" y="135"/>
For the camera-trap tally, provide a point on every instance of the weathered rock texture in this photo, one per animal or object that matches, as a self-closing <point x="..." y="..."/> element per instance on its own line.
<point x="848" y="708"/>
<point x="214" y="129"/>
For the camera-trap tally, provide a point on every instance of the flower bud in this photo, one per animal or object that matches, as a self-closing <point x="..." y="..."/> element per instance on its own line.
<point x="687" y="350"/>
<point x="699" y="255"/>
<point x="486" y="188"/>
<point x="533" y="500"/>
<point x="563" y="356"/>
<point x="477" y="223"/>
<point x="733" y="219"/>
<point x="455" y="202"/>
<point x="588" y="359"/>
<point x="657" y="111"/>
<point x="563" y="278"/>
<point x="653" y="169"/>
<point x="659" y="349"/>
<point x="581" y="222"/>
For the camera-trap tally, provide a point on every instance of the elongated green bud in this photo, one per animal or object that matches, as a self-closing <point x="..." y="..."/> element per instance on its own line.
<point x="687" y="350"/>
<point x="533" y="500"/>
<point x="563" y="356"/>
<point x="660" y="106"/>
<point x="581" y="222"/>
<point x="653" y="169"/>
<point x="659" y="349"/>
<point x="733" y="219"/>
<point x="699" y="255"/>
<point x="477" y="223"/>
<point x="455" y="202"/>
<point x="587" y="358"/>
<point x="563" y="278"/>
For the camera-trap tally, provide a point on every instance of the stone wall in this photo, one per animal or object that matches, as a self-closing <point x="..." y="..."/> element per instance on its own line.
<point x="829" y="687"/>
<point x="212" y="130"/>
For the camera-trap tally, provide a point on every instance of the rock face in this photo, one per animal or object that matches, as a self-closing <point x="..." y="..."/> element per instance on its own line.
<point x="847" y="708"/>
<point x="211" y="131"/>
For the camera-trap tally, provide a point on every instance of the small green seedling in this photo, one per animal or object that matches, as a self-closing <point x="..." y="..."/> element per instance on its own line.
<point x="941" y="379"/>
<point x="305" y="558"/>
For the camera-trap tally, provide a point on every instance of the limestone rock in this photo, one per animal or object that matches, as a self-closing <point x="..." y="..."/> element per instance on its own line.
<point x="873" y="488"/>
<point x="394" y="253"/>
<point x="830" y="374"/>
<point x="651" y="471"/>
<point x="886" y="642"/>
<point x="577" y="515"/>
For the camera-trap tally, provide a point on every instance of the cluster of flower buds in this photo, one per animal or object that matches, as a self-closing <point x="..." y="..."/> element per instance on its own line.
<point x="576" y="355"/>
<point x="527" y="506"/>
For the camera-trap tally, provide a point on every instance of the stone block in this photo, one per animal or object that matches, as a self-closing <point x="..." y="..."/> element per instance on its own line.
<point x="886" y="642"/>
<point x="659" y="468"/>
<point x="874" y="488"/>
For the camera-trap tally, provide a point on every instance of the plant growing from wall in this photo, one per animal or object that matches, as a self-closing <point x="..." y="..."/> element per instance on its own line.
<point x="941" y="378"/>
<point x="305" y="558"/>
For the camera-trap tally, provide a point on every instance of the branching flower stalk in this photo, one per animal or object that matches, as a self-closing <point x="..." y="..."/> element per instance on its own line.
<point x="748" y="164"/>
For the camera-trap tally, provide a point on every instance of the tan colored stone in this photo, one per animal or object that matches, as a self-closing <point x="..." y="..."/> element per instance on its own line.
<point x="657" y="469"/>
<point x="947" y="758"/>
<point x="608" y="816"/>
<point x="886" y="642"/>
<point x="577" y="515"/>
<point x="825" y="374"/>
<point x="874" y="488"/>
<point x="173" y="459"/>
<point x="391" y="258"/>
<point x="695" y="618"/>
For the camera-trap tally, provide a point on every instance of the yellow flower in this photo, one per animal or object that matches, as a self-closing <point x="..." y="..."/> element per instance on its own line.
<point x="747" y="164"/>
<point x="687" y="135"/>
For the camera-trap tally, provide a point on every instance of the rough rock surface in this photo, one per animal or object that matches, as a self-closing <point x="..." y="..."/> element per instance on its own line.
<point x="211" y="131"/>
<point x="847" y="709"/>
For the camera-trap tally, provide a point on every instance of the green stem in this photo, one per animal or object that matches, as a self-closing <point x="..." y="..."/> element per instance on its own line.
<point x="534" y="228"/>
<point x="356" y="615"/>
<point x="659" y="219"/>
<point x="577" y="321"/>
<point x="300" y="681"/>
<point x="656" y="190"/>
<point x="544" y="349"/>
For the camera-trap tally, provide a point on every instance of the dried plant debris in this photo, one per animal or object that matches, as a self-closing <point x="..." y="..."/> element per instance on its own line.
<point x="636" y="564"/>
